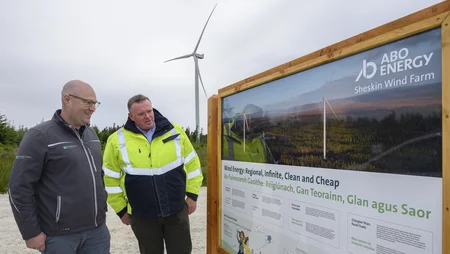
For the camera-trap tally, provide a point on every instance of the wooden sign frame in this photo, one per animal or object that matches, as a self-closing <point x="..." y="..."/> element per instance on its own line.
<point x="426" y="19"/>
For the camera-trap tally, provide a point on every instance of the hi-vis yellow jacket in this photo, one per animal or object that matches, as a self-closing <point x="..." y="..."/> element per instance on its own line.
<point x="233" y="147"/>
<point x="150" y="179"/>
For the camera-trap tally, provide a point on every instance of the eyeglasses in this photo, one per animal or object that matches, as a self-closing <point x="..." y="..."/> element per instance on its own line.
<point x="87" y="103"/>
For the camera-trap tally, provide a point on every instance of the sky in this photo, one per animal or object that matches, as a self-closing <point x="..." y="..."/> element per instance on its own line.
<point x="119" y="47"/>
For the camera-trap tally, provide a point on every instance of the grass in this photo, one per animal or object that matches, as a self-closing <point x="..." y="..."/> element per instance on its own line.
<point x="202" y="153"/>
<point x="7" y="156"/>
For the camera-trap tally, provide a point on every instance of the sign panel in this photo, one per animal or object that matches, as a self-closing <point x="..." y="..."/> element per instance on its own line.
<point x="345" y="157"/>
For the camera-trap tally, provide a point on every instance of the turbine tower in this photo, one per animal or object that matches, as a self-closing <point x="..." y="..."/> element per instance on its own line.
<point x="196" y="56"/>
<point x="325" y="101"/>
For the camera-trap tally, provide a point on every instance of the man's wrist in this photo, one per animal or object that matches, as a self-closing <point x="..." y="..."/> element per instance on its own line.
<point x="192" y="196"/>
<point x="122" y="212"/>
<point x="31" y="235"/>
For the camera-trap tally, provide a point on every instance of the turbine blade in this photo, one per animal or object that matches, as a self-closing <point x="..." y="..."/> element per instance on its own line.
<point x="332" y="110"/>
<point x="201" y="81"/>
<point x="201" y="35"/>
<point x="180" y="57"/>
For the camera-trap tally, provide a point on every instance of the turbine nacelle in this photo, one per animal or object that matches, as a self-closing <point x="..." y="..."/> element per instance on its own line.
<point x="199" y="56"/>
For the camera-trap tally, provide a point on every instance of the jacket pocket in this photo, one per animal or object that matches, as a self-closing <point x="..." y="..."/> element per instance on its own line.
<point x="58" y="209"/>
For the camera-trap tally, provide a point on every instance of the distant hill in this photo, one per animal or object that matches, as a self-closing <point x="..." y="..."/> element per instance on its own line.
<point x="425" y="99"/>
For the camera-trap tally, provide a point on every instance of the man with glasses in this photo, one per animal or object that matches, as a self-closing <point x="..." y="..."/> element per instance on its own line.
<point x="56" y="190"/>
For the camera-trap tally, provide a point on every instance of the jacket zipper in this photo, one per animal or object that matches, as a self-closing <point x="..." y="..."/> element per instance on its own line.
<point x="92" y="158"/>
<point x="93" y="176"/>
<point x="156" y="188"/>
<point x="157" y="197"/>
<point x="58" y="208"/>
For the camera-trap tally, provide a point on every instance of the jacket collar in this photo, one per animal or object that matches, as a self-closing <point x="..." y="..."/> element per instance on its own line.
<point x="163" y="125"/>
<point x="58" y="118"/>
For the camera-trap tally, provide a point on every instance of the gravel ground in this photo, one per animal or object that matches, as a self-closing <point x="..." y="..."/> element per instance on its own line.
<point x="122" y="238"/>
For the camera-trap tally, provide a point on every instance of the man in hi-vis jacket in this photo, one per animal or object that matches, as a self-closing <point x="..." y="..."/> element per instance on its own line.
<point x="56" y="190"/>
<point x="153" y="178"/>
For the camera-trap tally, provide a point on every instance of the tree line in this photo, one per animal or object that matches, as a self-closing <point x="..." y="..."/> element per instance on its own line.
<point x="11" y="136"/>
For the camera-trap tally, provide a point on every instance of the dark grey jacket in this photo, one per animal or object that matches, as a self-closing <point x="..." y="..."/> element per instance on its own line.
<point x="56" y="183"/>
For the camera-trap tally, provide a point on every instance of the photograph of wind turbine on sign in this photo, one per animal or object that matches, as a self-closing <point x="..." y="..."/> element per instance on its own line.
<point x="379" y="110"/>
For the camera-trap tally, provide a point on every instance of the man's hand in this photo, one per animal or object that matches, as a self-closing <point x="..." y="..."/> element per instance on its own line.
<point x="126" y="219"/>
<point x="37" y="242"/>
<point x="192" y="205"/>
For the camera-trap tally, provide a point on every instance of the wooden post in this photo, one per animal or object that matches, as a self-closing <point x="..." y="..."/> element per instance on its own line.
<point x="445" y="31"/>
<point x="212" y="204"/>
<point x="219" y="179"/>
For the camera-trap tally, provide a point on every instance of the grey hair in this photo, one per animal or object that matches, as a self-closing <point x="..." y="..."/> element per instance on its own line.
<point x="136" y="99"/>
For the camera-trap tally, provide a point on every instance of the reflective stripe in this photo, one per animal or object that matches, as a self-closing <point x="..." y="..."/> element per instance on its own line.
<point x="177" y="143"/>
<point x="195" y="173"/>
<point x="59" y="143"/>
<point x="112" y="190"/>
<point x="154" y="171"/>
<point x="191" y="156"/>
<point x="111" y="173"/>
<point x="149" y="171"/>
<point x="123" y="148"/>
<point x="12" y="201"/>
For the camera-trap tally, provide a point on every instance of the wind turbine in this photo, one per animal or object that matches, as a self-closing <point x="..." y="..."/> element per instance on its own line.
<point x="325" y="101"/>
<point x="196" y="56"/>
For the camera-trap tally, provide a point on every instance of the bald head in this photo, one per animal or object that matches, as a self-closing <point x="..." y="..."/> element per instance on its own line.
<point x="74" y="86"/>
<point x="78" y="102"/>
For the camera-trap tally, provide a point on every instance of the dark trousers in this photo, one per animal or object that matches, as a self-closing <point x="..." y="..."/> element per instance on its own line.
<point x="94" y="241"/>
<point x="173" y="230"/>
